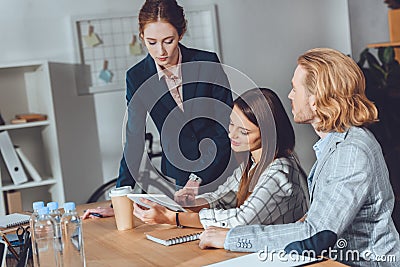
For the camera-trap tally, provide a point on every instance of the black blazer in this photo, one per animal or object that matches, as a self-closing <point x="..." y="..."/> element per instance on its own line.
<point x="147" y="94"/>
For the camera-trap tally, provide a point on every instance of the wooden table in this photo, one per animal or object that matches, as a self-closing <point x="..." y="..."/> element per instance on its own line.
<point x="106" y="246"/>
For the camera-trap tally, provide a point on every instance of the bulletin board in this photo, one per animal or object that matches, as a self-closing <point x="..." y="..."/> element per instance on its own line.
<point x="110" y="44"/>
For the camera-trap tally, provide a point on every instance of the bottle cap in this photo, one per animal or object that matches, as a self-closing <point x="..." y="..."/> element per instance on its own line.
<point x="43" y="210"/>
<point x="69" y="206"/>
<point x="52" y="205"/>
<point x="121" y="191"/>
<point x="37" y="205"/>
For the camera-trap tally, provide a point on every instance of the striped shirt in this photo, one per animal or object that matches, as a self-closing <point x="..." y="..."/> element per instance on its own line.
<point x="279" y="196"/>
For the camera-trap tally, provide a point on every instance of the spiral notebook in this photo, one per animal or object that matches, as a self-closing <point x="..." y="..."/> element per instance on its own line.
<point x="13" y="219"/>
<point x="168" y="237"/>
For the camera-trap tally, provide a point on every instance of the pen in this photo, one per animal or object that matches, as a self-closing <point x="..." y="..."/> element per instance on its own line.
<point x="10" y="247"/>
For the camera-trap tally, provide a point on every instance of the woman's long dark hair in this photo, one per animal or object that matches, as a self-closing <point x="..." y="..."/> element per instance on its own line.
<point x="264" y="109"/>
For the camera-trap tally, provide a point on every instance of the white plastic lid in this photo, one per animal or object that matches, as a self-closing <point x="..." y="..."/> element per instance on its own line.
<point x="121" y="191"/>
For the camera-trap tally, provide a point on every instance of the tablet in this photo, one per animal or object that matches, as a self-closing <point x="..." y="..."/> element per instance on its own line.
<point x="161" y="199"/>
<point x="3" y="252"/>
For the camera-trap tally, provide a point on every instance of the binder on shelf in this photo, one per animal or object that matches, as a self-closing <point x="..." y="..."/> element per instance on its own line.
<point x="28" y="165"/>
<point x="11" y="160"/>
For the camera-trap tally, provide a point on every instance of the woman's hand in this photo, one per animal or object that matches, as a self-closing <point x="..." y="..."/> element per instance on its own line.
<point x="99" y="213"/>
<point x="213" y="237"/>
<point x="186" y="197"/>
<point x="157" y="214"/>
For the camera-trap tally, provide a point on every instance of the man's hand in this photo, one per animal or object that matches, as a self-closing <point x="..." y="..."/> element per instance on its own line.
<point x="99" y="212"/>
<point x="213" y="237"/>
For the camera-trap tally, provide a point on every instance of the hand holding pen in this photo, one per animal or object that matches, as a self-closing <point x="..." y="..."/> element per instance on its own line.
<point x="99" y="212"/>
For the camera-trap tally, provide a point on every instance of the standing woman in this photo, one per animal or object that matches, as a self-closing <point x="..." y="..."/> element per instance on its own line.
<point x="172" y="85"/>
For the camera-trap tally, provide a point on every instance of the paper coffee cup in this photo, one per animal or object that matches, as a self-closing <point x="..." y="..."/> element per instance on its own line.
<point x="123" y="207"/>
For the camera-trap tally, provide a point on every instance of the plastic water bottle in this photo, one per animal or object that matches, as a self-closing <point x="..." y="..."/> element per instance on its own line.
<point x="32" y="221"/>
<point x="45" y="228"/>
<point x="73" y="254"/>
<point x="36" y="206"/>
<point x="55" y="213"/>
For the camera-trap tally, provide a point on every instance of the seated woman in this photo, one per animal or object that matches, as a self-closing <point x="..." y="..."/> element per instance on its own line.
<point x="259" y="191"/>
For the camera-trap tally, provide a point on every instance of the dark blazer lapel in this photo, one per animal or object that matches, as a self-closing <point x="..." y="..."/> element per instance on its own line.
<point x="158" y="89"/>
<point x="330" y="148"/>
<point x="190" y="74"/>
<point x="152" y="86"/>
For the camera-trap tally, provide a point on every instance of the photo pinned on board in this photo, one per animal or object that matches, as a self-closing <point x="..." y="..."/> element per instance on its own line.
<point x="105" y="74"/>
<point x="92" y="39"/>
<point x="135" y="47"/>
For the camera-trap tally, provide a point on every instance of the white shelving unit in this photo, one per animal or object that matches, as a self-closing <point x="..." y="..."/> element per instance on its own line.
<point x="23" y="125"/>
<point x="63" y="149"/>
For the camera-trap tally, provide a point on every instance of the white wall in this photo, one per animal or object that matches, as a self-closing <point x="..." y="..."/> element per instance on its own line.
<point x="262" y="38"/>
<point x="368" y="24"/>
